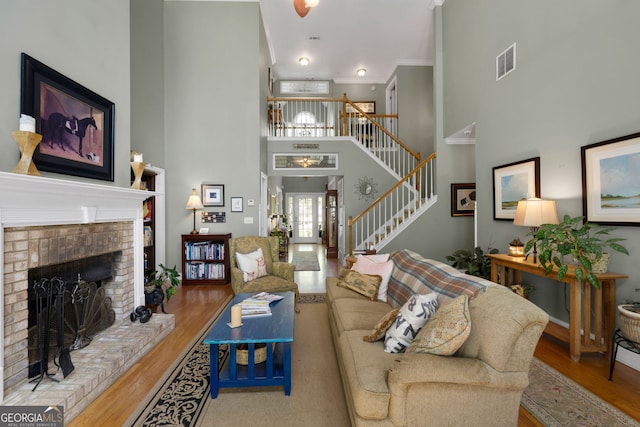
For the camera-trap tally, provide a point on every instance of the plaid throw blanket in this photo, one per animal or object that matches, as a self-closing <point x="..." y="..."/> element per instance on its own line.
<point x="413" y="274"/>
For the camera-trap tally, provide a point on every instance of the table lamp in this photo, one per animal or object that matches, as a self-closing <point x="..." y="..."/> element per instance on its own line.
<point x="533" y="213"/>
<point x="194" y="203"/>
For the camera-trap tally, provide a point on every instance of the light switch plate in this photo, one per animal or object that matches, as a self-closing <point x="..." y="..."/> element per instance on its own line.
<point x="248" y="220"/>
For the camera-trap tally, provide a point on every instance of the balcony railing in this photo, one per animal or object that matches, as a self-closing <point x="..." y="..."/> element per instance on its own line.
<point x="326" y="117"/>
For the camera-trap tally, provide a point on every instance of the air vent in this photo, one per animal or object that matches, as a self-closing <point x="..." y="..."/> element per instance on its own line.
<point x="506" y="62"/>
<point x="304" y="87"/>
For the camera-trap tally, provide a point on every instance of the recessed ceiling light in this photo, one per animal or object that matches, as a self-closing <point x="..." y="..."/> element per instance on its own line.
<point x="303" y="61"/>
<point x="361" y="72"/>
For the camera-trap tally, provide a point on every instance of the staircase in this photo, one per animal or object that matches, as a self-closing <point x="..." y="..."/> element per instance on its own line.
<point x="398" y="207"/>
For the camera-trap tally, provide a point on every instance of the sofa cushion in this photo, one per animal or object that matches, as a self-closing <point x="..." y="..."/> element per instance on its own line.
<point x="446" y="331"/>
<point x="336" y="292"/>
<point x="381" y="327"/>
<point x="365" y="370"/>
<point x="364" y="284"/>
<point x="413" y="274"/>
<point x="376" y="264"/>
<point x="357" y="314"/>
<point x="251" y="264"/>
<point x="410" y="319"/>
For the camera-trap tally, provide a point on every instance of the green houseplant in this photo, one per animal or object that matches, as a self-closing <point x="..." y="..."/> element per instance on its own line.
<point x="165" y="280"/>
<point x="473" y="262"/>
<point x="577" y="238"/>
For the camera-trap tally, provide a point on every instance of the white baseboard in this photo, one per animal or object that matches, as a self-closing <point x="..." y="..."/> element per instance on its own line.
<point x="624" y="356"/>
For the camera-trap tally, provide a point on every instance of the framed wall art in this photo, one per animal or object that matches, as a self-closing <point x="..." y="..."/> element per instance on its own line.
<point x="513" y="182"/>
<point x="213" y="195"/>
<point x="236" y="204"/>
<point x="76" y="123"/>
<point x="368" y="107"/>
<point x="611" y="181"/>
<point x="463" y="199"/>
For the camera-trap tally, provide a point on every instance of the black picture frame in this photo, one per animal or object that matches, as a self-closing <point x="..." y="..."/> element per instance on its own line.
<point x="463" y="199"/>
<point x="77" y="124"/>
<point x="513" y="182"/>
<point x="610" y="181"/>
<point x="212" y="194"/>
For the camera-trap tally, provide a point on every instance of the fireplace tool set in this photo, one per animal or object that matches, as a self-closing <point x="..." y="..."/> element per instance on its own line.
<point x="71" y="316"/>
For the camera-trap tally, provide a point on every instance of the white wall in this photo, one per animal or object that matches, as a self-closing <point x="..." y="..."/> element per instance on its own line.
<point x="85" y="40"/>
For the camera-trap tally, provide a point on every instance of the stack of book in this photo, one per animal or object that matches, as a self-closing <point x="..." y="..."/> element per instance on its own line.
<point x="258" y="305"/>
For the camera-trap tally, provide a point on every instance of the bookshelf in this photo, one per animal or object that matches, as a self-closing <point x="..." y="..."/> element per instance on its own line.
<point x="149" y="223"/>
<point x="205" y="259"/>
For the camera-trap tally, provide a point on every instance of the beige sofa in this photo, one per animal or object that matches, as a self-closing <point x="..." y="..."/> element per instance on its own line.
<point x="481" y="384"/>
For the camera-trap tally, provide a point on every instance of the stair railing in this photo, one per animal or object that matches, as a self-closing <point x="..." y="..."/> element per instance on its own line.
<point x="377" y="138"/>
<point x="386" y="214"/>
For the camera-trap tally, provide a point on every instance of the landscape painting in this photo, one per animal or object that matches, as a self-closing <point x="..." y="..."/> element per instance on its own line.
<point x="514" y="182"/>
<point x="611" y="181"/>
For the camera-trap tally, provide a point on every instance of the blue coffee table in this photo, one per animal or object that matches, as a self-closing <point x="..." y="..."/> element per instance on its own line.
<point x="275" y="330"/>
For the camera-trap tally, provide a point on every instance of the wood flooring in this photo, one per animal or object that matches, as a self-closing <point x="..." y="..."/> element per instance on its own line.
<point x="193" y="305"/>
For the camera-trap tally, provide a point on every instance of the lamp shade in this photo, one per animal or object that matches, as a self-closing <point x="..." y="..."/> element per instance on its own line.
<point x="534" y="212"/>
<point x="194" y="201"/>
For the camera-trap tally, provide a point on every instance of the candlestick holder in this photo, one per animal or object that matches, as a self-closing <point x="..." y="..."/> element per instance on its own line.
<point x="138" y="168"/>
<point x="27" y="142"/>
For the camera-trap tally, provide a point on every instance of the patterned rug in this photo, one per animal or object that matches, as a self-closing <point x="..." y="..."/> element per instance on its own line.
<point x="305" y="261"/>
<point x="178" y="399"/>
<point x="555" y="400"/>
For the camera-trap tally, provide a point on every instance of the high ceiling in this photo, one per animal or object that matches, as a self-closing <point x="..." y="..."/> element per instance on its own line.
<point x="341" y="36"/>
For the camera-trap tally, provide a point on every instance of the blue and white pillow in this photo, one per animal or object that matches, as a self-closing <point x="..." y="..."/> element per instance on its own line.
<point x="412" y="317"/>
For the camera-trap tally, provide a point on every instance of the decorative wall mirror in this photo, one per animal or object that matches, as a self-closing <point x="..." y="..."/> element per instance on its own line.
<point x="366" y="188"/>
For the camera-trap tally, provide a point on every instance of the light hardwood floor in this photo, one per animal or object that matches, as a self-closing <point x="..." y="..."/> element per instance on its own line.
<point x="194" y="305"/>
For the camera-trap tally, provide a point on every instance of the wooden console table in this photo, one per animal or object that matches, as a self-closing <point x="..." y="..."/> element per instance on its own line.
<point x="591" y="310"/>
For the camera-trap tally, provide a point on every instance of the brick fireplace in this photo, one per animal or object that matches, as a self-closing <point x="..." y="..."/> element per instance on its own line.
<point x="46" y="221"/>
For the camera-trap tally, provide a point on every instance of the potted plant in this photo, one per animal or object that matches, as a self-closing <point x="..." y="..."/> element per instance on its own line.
<point x="584" y="242"/>
<point x="629" y="321"/>
<point x="161" y="283"/>
<point x="473" y="262"/>
<point x="522" y="289"/>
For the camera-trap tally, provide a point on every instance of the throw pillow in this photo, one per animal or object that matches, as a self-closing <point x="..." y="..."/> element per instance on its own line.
<point x="364" y="284"/>
<point x="446" y="331"/>
<point x="381" y="327"/>
<point x="410" y="319"/>
<point x="252" y="265"/>
<point x="373" y="264"/>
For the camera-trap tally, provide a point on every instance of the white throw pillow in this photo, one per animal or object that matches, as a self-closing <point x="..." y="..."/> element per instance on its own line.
<point x="379" y="265"/>
<point x="252" y="265"/>
<point x="412" y="317"/>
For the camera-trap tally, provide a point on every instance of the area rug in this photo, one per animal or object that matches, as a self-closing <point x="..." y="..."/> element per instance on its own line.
<point x="305" y="261"/>
<point x="180" y="398"/>
<point x="555" y="400"/>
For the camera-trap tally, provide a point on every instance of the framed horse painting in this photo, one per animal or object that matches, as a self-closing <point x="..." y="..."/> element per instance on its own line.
<point x="76" y="123"/>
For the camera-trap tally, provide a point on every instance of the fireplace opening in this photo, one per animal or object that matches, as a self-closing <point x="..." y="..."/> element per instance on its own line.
<point x="67" y="307"/>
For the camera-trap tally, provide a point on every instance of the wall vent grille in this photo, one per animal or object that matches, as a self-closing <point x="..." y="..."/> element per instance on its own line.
<point x="506" y="62"/>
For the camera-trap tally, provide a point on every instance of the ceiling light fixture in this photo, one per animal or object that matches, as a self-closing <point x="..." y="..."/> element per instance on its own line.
<point x="361" y="72"/>
<point x="303" y="61"/>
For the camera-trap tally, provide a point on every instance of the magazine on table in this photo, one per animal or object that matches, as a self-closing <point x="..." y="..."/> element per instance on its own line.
<point x="258" y="305"/>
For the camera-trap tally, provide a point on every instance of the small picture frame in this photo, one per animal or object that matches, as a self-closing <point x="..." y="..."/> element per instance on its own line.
<point x="204" y="230"/>
<point x="213" y="194"/>
<point x="368" y="107"/>
<point x="236" y="204"/>
<point x="463" y="199"/>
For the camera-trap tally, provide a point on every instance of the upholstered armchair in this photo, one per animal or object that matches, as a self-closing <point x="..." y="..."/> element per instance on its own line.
<point x="279" y="275"/>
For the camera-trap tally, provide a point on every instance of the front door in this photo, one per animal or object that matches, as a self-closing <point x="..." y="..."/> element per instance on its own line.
<point x="305" y="218"/>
